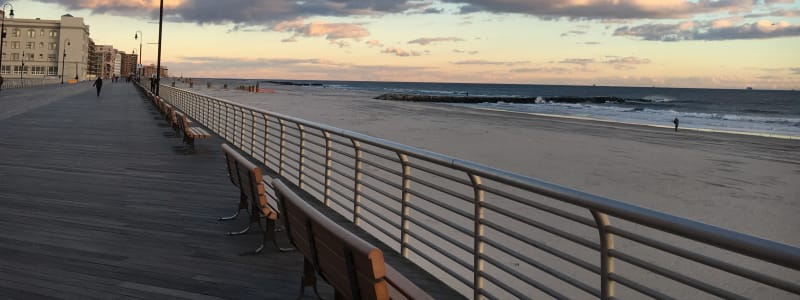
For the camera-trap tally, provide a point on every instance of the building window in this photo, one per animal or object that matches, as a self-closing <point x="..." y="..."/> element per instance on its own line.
<point x="5" y="70"/>
<point x="41" y="45"/>
<point x="53" y="33"/>
<point x="53" y="46"/>
<point x="30" y="56"/>
<point x="52" y="71"/>
<point x="37" y="70"/>
<point x="41" y="33"/>
<point x="51" y="57"/>
<point x="30" y="45"/>
<point x="20" y="70"/>
<point x="14" y="56"/>
<point x="31" y="33"/>
<point x="15" y="45"/>
<point x="17" y="32"/>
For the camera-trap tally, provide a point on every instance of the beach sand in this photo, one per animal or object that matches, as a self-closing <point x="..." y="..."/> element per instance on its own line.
<point x="740" y="182"/>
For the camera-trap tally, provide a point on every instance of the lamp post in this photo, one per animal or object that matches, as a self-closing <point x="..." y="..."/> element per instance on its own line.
<point x="139" y="36"/>
<point x="158" y="63"/>
<point x="76" y="71"/>
<point x="63" y="60"/>
<point x="3" y="33"/>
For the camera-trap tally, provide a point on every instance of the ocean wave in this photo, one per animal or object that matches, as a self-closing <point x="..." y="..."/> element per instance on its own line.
<point x="658" y="98"/>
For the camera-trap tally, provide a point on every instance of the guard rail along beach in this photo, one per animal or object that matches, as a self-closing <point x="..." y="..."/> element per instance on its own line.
<point x="498" y="235"/>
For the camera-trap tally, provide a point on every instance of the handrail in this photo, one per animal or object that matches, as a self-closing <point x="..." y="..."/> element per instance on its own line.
<point x="446" y="178"/>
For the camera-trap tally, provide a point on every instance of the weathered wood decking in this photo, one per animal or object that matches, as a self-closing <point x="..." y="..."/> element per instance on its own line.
<point x="98" y="201"/>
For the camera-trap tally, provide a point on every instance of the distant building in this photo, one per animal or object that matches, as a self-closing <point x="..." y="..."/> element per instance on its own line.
<point x="106" y="60"/>
<point x="39" y="48"/>
<point x="128" y="65"/>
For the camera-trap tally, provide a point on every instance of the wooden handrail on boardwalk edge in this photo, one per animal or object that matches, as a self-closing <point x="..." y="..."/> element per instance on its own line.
<point x="353" y="267"/>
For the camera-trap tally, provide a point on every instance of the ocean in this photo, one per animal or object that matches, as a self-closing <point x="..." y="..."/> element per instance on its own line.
<point x="760" y="112"/>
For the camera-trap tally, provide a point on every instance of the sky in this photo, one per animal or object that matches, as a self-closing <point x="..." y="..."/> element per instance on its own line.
<point x="665" y="43"/>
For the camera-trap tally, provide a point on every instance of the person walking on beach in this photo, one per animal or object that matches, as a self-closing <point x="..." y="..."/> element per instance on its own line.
<point x="99" y="85"/>
<point x="676" y="124"/>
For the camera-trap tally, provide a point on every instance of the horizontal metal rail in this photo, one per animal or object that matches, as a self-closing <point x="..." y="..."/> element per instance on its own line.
<point x="440" y="206"/>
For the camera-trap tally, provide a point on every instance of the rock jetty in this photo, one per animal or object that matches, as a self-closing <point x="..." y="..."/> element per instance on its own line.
<point x="469" y="99"/>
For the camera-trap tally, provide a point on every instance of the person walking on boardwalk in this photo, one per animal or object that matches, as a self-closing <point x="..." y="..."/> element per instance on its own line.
<point x="1" y="83"/>
<point x="98" y="83"/>
<point x="676" y="123"/>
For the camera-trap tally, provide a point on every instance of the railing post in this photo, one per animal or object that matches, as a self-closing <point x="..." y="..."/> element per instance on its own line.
<point x="265" y="157"/>
<point x="242" y="121"/>
<point x="606" y="260"/>
<point x="301" y="168"/>
<point x="227" y="119"/>
<point x="404" y="207"/>
<point x="328" y="167"/>
<point x="282" y="147"/>
<point x="252" y="132"/>
<point x="357" y="181"/>
<point x="478" y="264"/>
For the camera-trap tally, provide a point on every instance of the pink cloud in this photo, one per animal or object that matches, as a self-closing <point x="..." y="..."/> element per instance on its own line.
<point x="426" y="41"/>
<point x="400" y="52"/>
<point x="374" y="43"/>
<point x="331" y="31"/>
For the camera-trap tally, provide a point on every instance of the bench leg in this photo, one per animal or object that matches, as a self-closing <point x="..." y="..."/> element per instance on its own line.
<point x="189" y="143"/>
<point x="242" y="205"/>
<point x="309" y="279"/>
<point x="240" y="232"/>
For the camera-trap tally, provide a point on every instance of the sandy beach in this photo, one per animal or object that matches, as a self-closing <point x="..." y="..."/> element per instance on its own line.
<point x="744" y="183"/>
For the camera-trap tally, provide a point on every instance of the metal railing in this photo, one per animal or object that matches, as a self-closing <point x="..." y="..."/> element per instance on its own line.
<point x="498" y="235"/>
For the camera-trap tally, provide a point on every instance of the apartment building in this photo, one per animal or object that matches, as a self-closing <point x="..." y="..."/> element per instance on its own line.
<point x="45" y="48"/>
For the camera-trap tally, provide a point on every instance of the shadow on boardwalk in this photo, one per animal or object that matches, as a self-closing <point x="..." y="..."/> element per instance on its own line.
<point x="97" y="202"/>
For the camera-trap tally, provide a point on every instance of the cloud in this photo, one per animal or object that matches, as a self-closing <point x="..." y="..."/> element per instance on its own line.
<point x="774" y="13"/>
<point x="573" y="32"/>
<point x="715" y="30"/>
<point x="400" y="52"/>
<point x="331" y="31"/>
<point x="578" y="61"/>
<point x="374" y="43"/>
<point x="591" y="43"/>
<point x="551" y="70"/>
<point x="795" y="71"/>
<point x="250" y="12"/>
<point x="602" y="9"/>
<point x="432" y="10"/>
<point x="628" y="60"/>
<point x="473" y="52"/>
<point x="426" y="41"/>
<point x="488" y="62"/>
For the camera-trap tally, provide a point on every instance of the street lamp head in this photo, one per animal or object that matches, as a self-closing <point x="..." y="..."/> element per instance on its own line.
<point x="136" y="36"/>
<point x="12" y="13"/>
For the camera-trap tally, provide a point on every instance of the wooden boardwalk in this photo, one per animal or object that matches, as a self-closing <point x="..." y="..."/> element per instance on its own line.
<point x="97" y="201"/>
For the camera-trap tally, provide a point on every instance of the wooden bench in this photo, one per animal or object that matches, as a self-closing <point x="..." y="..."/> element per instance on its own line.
<point x="191" y="133"/>
<point x="253" y="197"/>
<point x="353" y="267"/>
